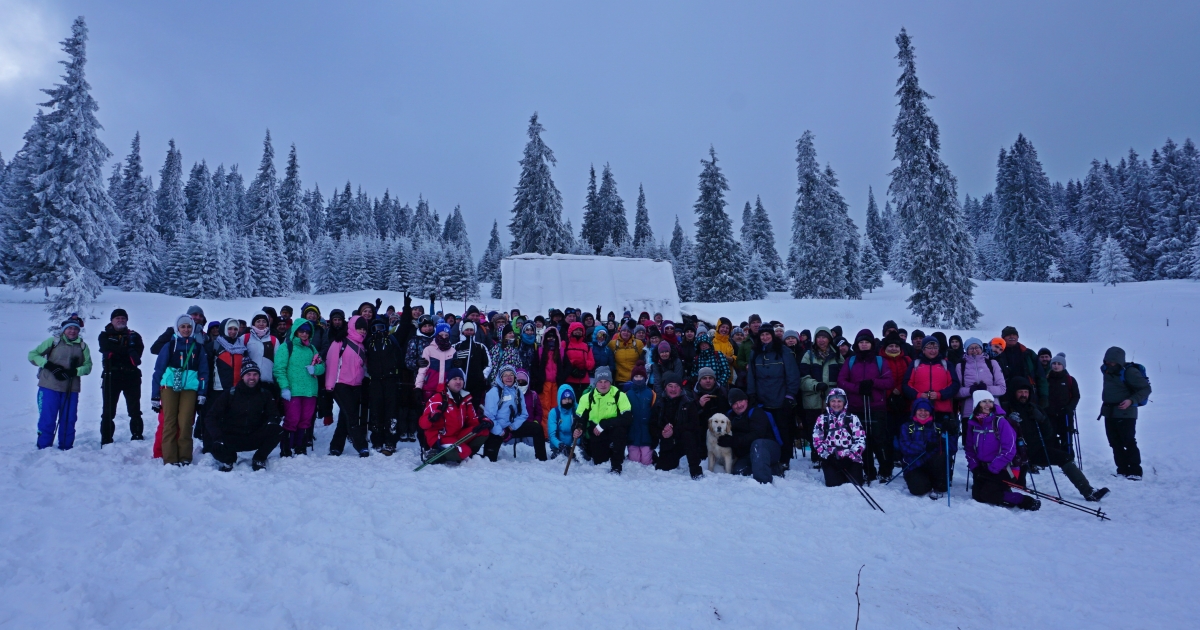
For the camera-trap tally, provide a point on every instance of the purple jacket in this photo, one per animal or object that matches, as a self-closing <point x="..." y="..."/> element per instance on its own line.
<point x="979" y="369"/>
<point x="990" y="441"/>
<point x="862" y="369"/>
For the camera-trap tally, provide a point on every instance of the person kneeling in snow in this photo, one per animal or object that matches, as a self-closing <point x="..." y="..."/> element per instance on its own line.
<point x="991" y="443"/>
<point x="839" y="440"/>
<point x="245" y="418"/>
<point x="607" y="415"/>
<point x="756" y="441"/>
<point x="450" y="416"/>
<point x="922" y="453"/>
<point x="505" y="407"/>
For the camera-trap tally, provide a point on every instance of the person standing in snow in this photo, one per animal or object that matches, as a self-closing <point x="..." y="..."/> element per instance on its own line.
<point x="991" y="444"/>
<point x="606" y="415"/>
<point x="641" y="402"/>
<point x="121" y="354"/>
<point x="550" y="373"/>
<point x="931" y="378"/>
<point x="1062" y="402"/>
<point x="773" y="381"/>
<point x="298" y="369"/>
<point x="260" y="348"/>
<point x="866" y="378"/>
<point x="420" y="338"/>
<point x="344" y="371"/>
<point x="436" y="359"/>
<point x="179" y="387"/>
<point x="471" y="357"/>
<point x="244" y="418"/>
<point x="819" y="373"/>
<point x="385" y="356"/>
<point x="977" y="371"/>
<point x="61" y="361"/>
<point x="839" y="440"/>
<point x="335" y="331"/>
<point x="1125" y="388"/>
<point x="1017" y="361"/>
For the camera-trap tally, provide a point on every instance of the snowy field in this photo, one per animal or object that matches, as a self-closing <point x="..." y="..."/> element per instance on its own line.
<point x="113" y="539"/>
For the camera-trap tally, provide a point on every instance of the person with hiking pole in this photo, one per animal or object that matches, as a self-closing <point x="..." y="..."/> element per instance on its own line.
<point x="990" y="443"/>
<point x="1035" y="430"/>
<point x="867" y="378"/>
<point x="1125" y="389"/>
<point x="605" y="413"/>
<point x="921" y="444"/>
<point x="61" y="361"/>
<point x="451" y="428"/>
<point x="840" y="440"/>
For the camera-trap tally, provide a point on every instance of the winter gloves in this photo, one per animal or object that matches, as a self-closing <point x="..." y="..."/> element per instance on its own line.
<point x="822" y="388"/>
<point x="725" y="441"/>
<point x="57" y="370"/>
<point x="156" y="406"/>
<point x="200" y="400"/>
<point x="287" y="393"/>
<point x="866" y="386"/>
<point x="312" y="370"/>
<point x="978" y="387"/>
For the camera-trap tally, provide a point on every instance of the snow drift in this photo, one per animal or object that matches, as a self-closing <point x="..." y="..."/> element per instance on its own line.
<point x="535" y="283"/>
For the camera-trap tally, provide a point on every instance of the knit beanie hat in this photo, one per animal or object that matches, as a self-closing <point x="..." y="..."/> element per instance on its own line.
<point x="736" y="395"/>
<point x="118" y="312"/>
<point x="603" y="374"/>
<point x="454" y="373"/>
<point x="249" y="366"/>
<point x="705" y="371"/>
<point x="1060" y="358"/>
<point x="664" y="346"/>
<point x="980" y="396"/>
<point x="638" y="370"/>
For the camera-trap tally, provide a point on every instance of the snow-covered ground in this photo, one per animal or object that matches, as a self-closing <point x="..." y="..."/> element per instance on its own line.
<point x="112" y="538"/>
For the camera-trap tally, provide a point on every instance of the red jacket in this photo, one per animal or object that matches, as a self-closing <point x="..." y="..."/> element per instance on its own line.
<point x="927" y="376"/>
<point x="448" y="423"/>
<point x="899" y="365"/>
<point x="577" y="355"/>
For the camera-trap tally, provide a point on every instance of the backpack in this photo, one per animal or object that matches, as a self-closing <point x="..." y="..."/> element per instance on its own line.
<point x="774" y="428"/>
<point x="1141" y="368"/>
<point x="878" y="363"/>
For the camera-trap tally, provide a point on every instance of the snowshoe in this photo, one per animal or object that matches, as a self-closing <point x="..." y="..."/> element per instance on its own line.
<point x="1096" y="495"/>
<point x="223" y="467"/>
<point x="258" y="464"/>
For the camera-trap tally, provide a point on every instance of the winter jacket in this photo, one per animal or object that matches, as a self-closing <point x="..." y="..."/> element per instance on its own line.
<point x="711" y="359"/>
<point x="722" y="343"/>
<point x="661" y="370"/>
<point x="472" y="358"/>
<point x="611" y="411"/>
<point x="718" y="403"/>
<point x="432" y="377"/>
<point x="261" y="349"/>
<point x="240" y="412"/>
<point x="626" y="354"/>
<point x="839" y="435"/>
<point x="503" y="354"/>
<point x="385" y="354"/>
<point x="292" y="362"/>
<point x="1019" y="361"/>
<point x="990" y="441"/>
<point x="915" y="439"/>
<point x="687" y="353"/>
<point x="773" y="378"/>
<point x="753" y="425"/>
<point x="505" y="407"/>
<point x="898" y="365"/>
<point x="641" y="402"/>
<point x="447" y="419"/>
<point x="681" y="413"/>
<point x="559" y="421"/>
<point x="862" y="366"/>
<point x="412" y="354"/>
<point x="549" y="362"/>
<point x="816" y="369"/>
<point x="182" y="362"/>
<point x="924" y="376"/>
<point x="745" y="353"/>
<point x="1121" y="383"/>
<point x="1032" y="429"/>
<point x="1064" y="393"/>
<point x="345" y="362"/>
<point x="602" y="356"/>
<point x="120" y="350"/>
<point x="533" y="406"/>
<point x="975" y="370"/>
<point x="64" y="353"/>
<point x="578" y="359"/>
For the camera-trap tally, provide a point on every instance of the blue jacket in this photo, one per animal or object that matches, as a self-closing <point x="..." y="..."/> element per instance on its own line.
<point x="504" y="407"/>
<point x="603" y="354"/>
<point x="641" y="401"/>
<point x="559" y="421"/>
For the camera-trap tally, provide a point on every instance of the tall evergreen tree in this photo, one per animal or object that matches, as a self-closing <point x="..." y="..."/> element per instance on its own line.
<point x="60" y="220"/>
<point x="293" y="215"/>
<point x="1111" y="265"/>
<point x="537" y="224"/>
<point x="612" y="209"/>
<point x="1176" y="191"/>
<point x="877" y="230"/>
<point x="1025" y="224"/>
<point x="316" y="212"/>
<point x="643" y="235"/>
<point x="139" y="243"/>
<point x="171" y="202"/>
<point x="263" y="222"/>
<point x="764" y="239"/>
<point x="719" y="274"/>
<point x="938" y="256"/>
<point x="816" y="258"/>
<point x="683" y="262"/>
<point x="593" y="231"/>
<point x="1134" y="231"/>
<point x="201" y="198"/>
<point x="871" y="265"/>
<point x="489" y="264"/>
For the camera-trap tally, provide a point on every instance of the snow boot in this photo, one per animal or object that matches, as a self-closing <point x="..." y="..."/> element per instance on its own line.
<point x="366" y="452"/>
<point x="1096" y="495"/>
<point x="1031" y="504"/>
<point x="258" y="464"/>
<point x="935" y="496"/>
<point x="285" y="443"/>
<point x="388" y="450"/>
<point x="335" y="452"/>
<point x="223" y="467"/>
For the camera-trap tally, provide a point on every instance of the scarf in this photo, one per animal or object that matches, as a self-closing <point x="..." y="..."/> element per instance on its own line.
<point x="232" y="347"/>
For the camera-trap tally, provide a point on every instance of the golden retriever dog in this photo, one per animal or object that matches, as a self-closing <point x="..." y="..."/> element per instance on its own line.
<point x="718" y="425"/>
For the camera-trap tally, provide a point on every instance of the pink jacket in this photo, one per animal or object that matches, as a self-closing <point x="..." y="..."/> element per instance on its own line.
<point x="439" y="361"/>
<point x="346" y="361"/>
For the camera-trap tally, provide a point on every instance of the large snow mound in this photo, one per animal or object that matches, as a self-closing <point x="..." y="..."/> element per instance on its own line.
<point x="110" y="538"/>
<point x="536" y="283"/>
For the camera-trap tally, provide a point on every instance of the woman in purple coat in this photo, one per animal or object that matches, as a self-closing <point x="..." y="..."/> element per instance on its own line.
<point x="867" y="379"/>
<point x="978" y="372"/>
<point x="991" y="443"/>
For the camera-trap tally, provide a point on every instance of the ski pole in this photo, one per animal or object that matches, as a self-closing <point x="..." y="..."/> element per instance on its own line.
<point x="570" y="454"/>
<point x="908" y="466"/>
<point x="1046" y="452"/>
<point x="857" y="486"/>
<point x="1097" y="512"/>
<point x="1074" y="435"/>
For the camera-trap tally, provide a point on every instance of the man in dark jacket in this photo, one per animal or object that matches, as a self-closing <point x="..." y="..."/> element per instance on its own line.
<point x="773" y="381"/>
<point x="1125" y="388"/>
<point x="1039" y="440"/>
<point x="675" y="424"/>
<point x="756" y="442"/>
<point x="121" y="350"/>
<point x="472" y="358"/>
<point x="244" y="418"/>
<point x="1017" y="361"/>
<point x="385" y="358"/>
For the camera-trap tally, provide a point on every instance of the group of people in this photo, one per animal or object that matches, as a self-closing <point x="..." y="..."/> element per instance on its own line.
<point x="610" y="389"/>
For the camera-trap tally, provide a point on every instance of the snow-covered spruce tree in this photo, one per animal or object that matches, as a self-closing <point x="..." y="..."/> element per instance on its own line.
<point x="459" y="276"/>
<point x="315" y="204"/>
<point x="1138" y="206"/>
<point x="337" y="213"/>
<point x="226" y="245"/>
<point x="140" y="244"/>
<point x="871" y="266"/>
<point x="612" y="209"/>
<point x="263" y="220"/>
<point x="1025" y="223"/>
<point x="756" y="276"/>
<point x="398" y="275"/>
<point x="817" y="256"/>
<point x="325" y="268"/>
<point x="296" y="254"/>
<point x="171" y="202"/>
<point x="593" y="231"/>
<point x="458" y="243"/>
<point x="642" y="234"/>
<point x="489" y="264"/>
<point x="683" y="261"/>
<point x="362" y="216"/>
<point x="763" y="235"/>
<point x="852" y="256"/>
<point x="537" y="225"/>
<point x="1111" y="266"/>
<point x="747" y="232"/>
<point x="719" y="274"/>
<point x="1176" y="192"/>
<point x="877" y="229"/>
<point x="1099" y="206"/>
<point x="64" y="220"/>
<point x="197" y="192"/>
<point x="1073" y="261"/>
<point x="938" y="255"/>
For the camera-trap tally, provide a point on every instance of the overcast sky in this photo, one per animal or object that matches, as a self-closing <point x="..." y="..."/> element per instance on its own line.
<point x="433" y="98"/>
